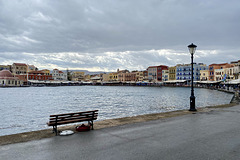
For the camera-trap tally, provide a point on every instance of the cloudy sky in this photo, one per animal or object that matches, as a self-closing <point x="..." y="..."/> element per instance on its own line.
<point x="104" y="35"/>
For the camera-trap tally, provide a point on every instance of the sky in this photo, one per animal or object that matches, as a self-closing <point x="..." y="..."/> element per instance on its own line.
<point x="104" y="35"/>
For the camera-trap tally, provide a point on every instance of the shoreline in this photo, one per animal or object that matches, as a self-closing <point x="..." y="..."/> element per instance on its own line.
<point x="47" y="133"/>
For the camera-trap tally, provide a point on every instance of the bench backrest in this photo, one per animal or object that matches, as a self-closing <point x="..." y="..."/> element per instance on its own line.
<point x="78" y="116"/>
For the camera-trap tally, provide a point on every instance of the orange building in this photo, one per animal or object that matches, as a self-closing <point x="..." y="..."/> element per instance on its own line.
<point x="39" y="75"/>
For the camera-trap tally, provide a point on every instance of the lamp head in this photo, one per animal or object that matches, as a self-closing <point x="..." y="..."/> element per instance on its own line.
<point x="192" y="48"/>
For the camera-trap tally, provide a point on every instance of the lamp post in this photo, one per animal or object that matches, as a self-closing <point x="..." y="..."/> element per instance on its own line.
<point x="192" y="49"/>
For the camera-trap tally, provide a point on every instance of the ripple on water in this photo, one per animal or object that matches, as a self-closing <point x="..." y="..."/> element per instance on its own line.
<point x="32" y="106"/>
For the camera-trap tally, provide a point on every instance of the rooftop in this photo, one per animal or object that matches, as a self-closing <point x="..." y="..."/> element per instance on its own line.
<point x="20" y="64"/>
<point x="5" y="74"/>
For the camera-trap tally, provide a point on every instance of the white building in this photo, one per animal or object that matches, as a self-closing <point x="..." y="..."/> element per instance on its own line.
<point x="184" y="71"/>
<point x="59" y="75"/>
<point x="220" y="74"/>
<point x="165" y="75"/>
<point x="224" y="74"/>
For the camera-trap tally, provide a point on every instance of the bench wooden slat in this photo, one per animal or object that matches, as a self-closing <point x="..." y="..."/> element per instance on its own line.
<point x="69" y="118"/>
<point x="68" y="121"/>
<point x="75" y="115"/>
<point x="72" y="113"/>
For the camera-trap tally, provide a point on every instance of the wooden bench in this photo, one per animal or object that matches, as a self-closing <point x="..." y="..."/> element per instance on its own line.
<point x="61" y="119"/>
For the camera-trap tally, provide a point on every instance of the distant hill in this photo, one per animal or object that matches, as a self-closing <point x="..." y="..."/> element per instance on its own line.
<point x="86" y="72"/>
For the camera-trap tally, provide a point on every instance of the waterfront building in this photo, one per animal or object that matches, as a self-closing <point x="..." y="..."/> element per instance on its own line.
<point x="31" y="68"/>
<point x="133" y="76"/>
<point x="152" y="73"/>
<point x="78" y="76"/>
<point x="159" y="72"/>
<point x="113" y="77"/>
<point x="23" y="78"/>
<point x="101" y="76"/>
<point x="219" y="74"/>
<point x="127" y="77"/>
<point x="204" y="75"/>
<point x="145" y="75"/>
<point x="5" y="67"/>
<point x="139" y="76"/>
<point x="96" y="78"/>
<point x="236" y="71"/>
<point x="172" y="73"/>
<point x="212" y="67"/>
<point x="58" y="75"/>
<point x="7" y="79"/>
<point x="155" y="72"/>
<point x="165" y="75"/>
<point x="229" y="71"/>
<point x="46" y="72"/>
<point x="106" y="77"/>
<point x="87" y="77"/>
<point x="110" y="77"/>
<point x="124" y="76"/>
<point x="19" y="68"/>
<point x="218" y="67"/>
<point x="39" y="75"/>
<point x="183" y="71"/>
<point x="224" y="74"/>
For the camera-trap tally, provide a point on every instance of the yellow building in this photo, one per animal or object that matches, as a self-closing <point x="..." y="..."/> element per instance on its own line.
<point x="113" y="76"/>
<point x="46" y="72"/>
<point x="139" y="76"/>
<point x="172" y="73"/>
<point x="78" y="76"/>
<point x="204" y="75"/>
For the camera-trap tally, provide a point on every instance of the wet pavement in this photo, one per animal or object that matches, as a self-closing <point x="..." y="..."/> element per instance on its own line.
<point x="205" y="135"/>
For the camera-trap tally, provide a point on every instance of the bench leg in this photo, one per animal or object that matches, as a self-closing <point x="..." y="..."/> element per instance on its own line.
<point x="55" y="130"/>
<point x="91" y="124"/>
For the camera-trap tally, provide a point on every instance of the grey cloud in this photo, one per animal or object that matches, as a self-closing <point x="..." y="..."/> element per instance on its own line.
<point x="81" y="25"/>
<point x="93" y="28"/>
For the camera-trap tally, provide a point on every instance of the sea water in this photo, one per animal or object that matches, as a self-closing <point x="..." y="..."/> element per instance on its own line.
<point x="28" y="108"/>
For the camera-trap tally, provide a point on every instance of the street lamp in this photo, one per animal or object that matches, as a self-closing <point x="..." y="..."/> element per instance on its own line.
<point x="192" y="49"/>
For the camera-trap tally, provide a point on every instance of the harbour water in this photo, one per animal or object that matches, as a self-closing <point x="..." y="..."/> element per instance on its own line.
<point x="28" y="109"/>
